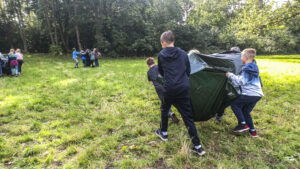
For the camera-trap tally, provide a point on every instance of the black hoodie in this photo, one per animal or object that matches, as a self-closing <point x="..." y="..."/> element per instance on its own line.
<point x="174" y="66"/>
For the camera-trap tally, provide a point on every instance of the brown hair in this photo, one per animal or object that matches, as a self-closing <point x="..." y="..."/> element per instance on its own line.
<point x="150" y="61"/>
<point x="167" y="37"/>
<point x="249" y="52"/>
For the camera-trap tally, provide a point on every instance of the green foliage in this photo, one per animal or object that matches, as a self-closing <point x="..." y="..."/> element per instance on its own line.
<point x="133" y="27"/>
<point x="106" y="117"/>
<point x="55" y="50"/>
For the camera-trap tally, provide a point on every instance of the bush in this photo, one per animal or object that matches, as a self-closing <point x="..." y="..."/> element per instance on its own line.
<point x="56" y="50"/>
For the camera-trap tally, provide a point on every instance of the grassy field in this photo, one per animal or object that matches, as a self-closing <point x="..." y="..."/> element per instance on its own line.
<point x="55" y="116"/>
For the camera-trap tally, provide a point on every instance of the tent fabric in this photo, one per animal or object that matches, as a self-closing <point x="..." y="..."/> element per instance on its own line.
<point x="210" y="88"/>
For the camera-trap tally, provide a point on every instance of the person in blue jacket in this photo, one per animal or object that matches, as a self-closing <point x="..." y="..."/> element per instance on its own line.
<point x="174" y="66"/>
<point x="250" y="84"/>
<point x="83" y="58"/>
<point x="74" y="55"/>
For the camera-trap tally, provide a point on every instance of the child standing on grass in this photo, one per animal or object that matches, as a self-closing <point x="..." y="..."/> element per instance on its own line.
<point x="12" y="59"/>
<point x="152" y="78"/>
<point x="97" y="57"/>
<point x="75" y="53"/>
<point x="174" y="66"/>
<point x="249" y="82"/>
<point x="83" y="58"/>
<point x="92" y="57"/>
<point x="20" y="60"/>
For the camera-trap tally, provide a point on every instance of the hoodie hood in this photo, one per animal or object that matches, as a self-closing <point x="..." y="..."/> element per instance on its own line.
<point x="251" y="69"/>
<point x="170" y="52"/>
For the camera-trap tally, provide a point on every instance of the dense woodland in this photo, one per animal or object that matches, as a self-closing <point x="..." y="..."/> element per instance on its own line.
<point x="133" y="27"/>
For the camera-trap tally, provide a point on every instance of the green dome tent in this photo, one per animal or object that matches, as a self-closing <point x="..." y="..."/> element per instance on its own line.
<point x="210" y="88"/>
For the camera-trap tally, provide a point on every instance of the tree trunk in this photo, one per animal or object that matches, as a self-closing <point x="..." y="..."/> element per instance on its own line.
<point x="54" y="22"/>
<point x="261" y="7"/>
<point x="261" y="4"/>
<point x="49" y="27"/>
<point x="77" y="29"/>
<point x="78" y="37"/>
<point x="21" y="25"/>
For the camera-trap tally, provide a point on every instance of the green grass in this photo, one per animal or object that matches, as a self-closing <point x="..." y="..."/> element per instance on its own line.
<point x="55" y="116"/>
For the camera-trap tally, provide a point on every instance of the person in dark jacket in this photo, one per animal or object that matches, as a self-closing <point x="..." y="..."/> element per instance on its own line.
<point x="174" y="66"/>
<point x="152" y="78"/>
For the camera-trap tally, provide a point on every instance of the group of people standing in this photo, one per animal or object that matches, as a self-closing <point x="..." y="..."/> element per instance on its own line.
<point x="14" y="61"/>
<point x="88" y="57"/>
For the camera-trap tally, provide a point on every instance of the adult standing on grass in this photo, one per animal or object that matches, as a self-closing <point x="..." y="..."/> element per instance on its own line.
<point x="19" y="59"/>
<point x="174" y="66"/>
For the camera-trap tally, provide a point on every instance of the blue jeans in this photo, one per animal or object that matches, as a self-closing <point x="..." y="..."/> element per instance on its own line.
<point x="96" y="63"/>
<point x="242" y="108"/>
<point x="12" y="70"/>
<point x="0" y="69"/>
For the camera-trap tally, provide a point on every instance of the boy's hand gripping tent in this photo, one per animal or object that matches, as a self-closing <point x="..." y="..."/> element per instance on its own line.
<point x="211" y="90"/>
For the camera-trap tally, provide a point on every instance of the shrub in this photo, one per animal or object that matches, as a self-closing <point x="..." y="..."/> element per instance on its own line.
<point x="56" y="50"/>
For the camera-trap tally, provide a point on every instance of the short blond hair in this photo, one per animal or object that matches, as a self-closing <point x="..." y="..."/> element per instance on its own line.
<point x="194" y="51"/>
<point x="18" y="50"/>
<point x="250" y="53"/>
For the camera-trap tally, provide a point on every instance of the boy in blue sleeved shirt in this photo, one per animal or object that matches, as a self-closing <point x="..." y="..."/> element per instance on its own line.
<point x="250" y="84"/>
<point x="83" y="58"/>
<point x="74" y="55"/>
<point x="174" y="66"/>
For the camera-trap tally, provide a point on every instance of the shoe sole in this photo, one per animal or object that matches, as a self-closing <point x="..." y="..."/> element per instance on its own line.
<point x="240" y="131"/>
<point x="253" y="136"/>
<point x="200" y="154"/>
<point x="163" y="139"/>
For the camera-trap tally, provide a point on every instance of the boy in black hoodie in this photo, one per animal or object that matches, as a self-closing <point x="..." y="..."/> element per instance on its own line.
<point x="174" y="66"/>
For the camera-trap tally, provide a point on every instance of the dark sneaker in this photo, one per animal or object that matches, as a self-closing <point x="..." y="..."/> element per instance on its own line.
<point x="174" y="118"/>
<point x="199" y="151"/>
<point x="253" y="133"/>
<point x="161" y="136"/>
<point x="241" y="128"/>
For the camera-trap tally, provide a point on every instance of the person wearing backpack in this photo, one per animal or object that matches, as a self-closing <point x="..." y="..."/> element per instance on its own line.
<point x="12" y="59"/>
